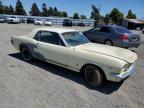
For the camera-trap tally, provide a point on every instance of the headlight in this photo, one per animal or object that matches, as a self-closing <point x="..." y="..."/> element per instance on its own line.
<point x="126" y="67"/>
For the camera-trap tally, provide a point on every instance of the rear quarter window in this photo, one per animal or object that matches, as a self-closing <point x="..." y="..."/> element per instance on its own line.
<point x="121" y="30"/>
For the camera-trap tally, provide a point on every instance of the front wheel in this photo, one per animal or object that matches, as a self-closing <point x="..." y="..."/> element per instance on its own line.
<point x="26" y="54"/>
<point x="93" y="76"/>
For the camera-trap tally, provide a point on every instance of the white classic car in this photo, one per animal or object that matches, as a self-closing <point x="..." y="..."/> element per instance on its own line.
<point x="72" y="50"/>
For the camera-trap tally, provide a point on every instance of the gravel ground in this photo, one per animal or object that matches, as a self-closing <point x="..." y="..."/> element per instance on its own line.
<point x="42" y="85"/>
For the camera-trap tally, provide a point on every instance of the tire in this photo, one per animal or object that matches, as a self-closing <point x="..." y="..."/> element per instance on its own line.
<point x="26" y="54"/>
<point x="93" y="76"/>
<point x="108" y="42"/>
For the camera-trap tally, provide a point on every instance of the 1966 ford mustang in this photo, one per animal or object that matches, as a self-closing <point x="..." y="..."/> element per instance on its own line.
<point x="72" y="50"/>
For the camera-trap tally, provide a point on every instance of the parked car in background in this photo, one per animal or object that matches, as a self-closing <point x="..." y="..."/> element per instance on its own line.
<point x="72" y="50"/>
<point x="67" y="22"/>
<point x="23" y="20"/>
<point x="5" y="19"/>
<point x="2" y="20"/>
<point x="13" y="19"/>
<point x="113" y="36"/>
<point x="38" y="22"/>
<point x="75" y="22"/>
<point x="47" y="22"/>
<point x="81" y="24"/>
<point x="30" y="20"/>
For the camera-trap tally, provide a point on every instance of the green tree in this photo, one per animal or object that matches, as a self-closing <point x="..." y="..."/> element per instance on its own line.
<point x="131" y="15"/>
<point x="50" y="11"/>
<point x="107" y="18"/>
<point x="101" y="19"/>
<point x="19" y="8"/>
<point x="95" y="14"/>
<point x="11" y="10"/>
<point x="65" y="14"/>
<point x="117" y="16"/>
<point x="83" y="17"/>
<point x="44" y="10"/>
<point x="135" y="16"/>
<point x="76" y="16"/>
<point x="1" y="8"/>
<point x="55" y="12"/>
<point x="35" y="10"/>
<point x="60" y="14"/>
<point x="6" y="9"/>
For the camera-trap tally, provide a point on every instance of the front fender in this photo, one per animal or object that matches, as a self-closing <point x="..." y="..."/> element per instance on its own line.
<point x="107" y="63"/>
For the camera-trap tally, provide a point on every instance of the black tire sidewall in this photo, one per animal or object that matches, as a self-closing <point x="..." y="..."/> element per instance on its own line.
<point x="23" y="55"/>
<point x="98" y="78"/>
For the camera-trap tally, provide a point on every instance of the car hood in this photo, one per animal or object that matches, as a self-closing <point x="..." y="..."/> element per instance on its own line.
<point x="120" y="53"/>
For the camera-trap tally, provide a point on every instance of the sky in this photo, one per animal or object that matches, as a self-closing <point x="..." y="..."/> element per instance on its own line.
<point x="84" y="6"/>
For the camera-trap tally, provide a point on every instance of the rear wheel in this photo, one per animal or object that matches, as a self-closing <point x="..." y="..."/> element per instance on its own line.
<point x="26" y="53"/>
<point x="93" y="76"/>
<point x="108" y="42"/>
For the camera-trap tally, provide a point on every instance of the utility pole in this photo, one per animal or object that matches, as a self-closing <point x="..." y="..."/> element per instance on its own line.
<point x="99" y="8"/>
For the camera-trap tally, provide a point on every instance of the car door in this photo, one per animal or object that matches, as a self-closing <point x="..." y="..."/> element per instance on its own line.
<point x="104" y="34"/>
<point x="99" y="34"/>
<point x="51" y="47"/>
<point x="93" y="34"/>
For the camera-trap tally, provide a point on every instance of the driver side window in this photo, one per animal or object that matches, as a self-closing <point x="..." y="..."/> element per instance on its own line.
<point x="104" y="29"/>
<point x="49" y="37"/>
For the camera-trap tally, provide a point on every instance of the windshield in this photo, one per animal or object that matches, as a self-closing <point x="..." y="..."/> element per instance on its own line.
<point x="75" y="38"/>
<point x="122" y="30"/>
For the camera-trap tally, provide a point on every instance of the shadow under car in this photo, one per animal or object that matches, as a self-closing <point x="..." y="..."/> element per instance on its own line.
<point x="107" y="88"/>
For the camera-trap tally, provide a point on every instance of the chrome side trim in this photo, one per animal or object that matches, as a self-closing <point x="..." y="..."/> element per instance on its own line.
<point x="62" y="65"/>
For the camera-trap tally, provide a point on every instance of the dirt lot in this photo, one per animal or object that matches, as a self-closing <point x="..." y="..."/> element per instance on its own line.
<point x="42" y="85"/>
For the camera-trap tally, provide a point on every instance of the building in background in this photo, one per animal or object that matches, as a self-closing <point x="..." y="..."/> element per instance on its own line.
<point x="133" y="23"/>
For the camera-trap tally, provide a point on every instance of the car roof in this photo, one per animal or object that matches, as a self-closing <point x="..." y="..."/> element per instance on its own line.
<point x="68" y="19"/>
<point x="54" y="29"/>
<point x="113" y="26"/>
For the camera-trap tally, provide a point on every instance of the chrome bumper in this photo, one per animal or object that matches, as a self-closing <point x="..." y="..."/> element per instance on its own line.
<point x="126" y="74"/>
